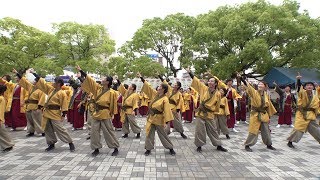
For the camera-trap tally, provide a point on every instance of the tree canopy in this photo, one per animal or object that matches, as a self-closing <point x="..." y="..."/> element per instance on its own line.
<point x="255" y="36"/>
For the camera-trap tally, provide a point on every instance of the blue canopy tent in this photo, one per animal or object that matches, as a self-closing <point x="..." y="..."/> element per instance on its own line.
<point x="287" y="76"/>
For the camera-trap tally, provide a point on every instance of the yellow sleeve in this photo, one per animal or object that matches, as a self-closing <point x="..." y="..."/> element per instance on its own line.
<point x="226" y="107"/>
<point x="63" y="101"/>
<point x="113" y="103"/>
<point x="42" y="99"/>
<point x="168" y="116"/>
<point x="198" y="85"/>
<point x="89" y="85"/>
<point x="148" y="90"/>
<point x="26" y="84"/>
<point x="44" y="87"/>
<point x="135" y="102"/>
<point x="2" y="108"/>
<point x="235" y="94"/>
<point x="122" y="89"/>
<point x="251" y="91"/>
<point x="9" y="85"/>
<point x="181" y="104"/>
<point x="220" y="83"/>
<point x="170" y="89"/>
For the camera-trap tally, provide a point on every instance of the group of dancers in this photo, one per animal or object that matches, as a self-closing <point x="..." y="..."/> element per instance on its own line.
<point x="110" y="104"/>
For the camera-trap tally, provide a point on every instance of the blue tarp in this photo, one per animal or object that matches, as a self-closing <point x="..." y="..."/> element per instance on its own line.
<point x="287" y="76"/>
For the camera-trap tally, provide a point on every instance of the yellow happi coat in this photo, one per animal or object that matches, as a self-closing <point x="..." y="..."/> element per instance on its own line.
<point x="211" y="101"/>
<point x="8" y="95"/>
<point x="175" y="99"/>
<point x="257" y="117"/>
<point x="195" y="96"/>
<point x="108" y="99"/>
<point x="34" y="94"/>
<point x="2" y="109"/>
<point x="187" y="99"/>
<point x="144" y="99"/>
<point x="56" y="98"/>
<point x="224" y="107"/>
<point x="129" y="102"/>
<point x="160" y="104"/>
<point x="302" y="120"/>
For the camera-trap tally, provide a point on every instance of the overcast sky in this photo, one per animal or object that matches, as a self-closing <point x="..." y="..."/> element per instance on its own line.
<point x="121" y="17"/>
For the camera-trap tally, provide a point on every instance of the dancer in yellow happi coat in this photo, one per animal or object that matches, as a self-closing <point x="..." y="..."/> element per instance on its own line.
<point x="129" y="106"/>
<point x="159" y="115"/>
<point x="177" y="107"/>
<point x="261" y="111"/>
<point x="210" y="98"/>
<point x="55" y="110"/>
<point x="34" y="104"/>
<point x="308" y="108"/>
<point x="6" y="143"/>
<point x="105" y="103"/>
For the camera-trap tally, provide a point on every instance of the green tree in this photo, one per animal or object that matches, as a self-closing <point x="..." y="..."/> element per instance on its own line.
<point x="86" y="45"/>
<point x="21" y="45"/>
<point x="125" y="68"/>
<point x="255" y="36"/>
<point x="164" y="36"/>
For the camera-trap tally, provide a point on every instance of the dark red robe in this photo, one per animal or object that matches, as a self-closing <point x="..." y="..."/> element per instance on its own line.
<point x="232" y="120"/>
<point x="188" y="115"/>
<point x="285" y="116"/>
<point x="15" y="118"/>
<point x="242" y="108"/>
<point x="77" y="114"/>
<point x="116" y="120"/>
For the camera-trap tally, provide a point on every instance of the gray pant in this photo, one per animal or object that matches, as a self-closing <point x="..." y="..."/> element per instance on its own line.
<point x="130" y="119"/>
<point x="108" y="133"/>
<point x="149" y="144"/>
<point x="265" y="135"/>
<point x="89" y="120"/>
<point x="222" y="124"/>
<point x="177" y="123"/>
<point x="313" y="128"/>
<point x="204" y="128"/>
<point x="54" y="126"/>
<point x="5" y="140"/>
<point x="34" y="121"/>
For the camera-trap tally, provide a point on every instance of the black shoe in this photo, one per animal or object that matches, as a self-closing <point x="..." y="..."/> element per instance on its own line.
<point x="220" y="148"/>
<point x="50" y="147"/>
<point x="125" y="136"/>
<point x="147" y="153"/>
<point x="199" y="149"/>
<point x="7" y="149"/>
<point x="138" y="136"/>
<point x="88" y="138"/>
<point x="247" y="148"/>
<point x="172" y="152"/>
<point x="30" y="134"/>
<point x="115" y="152"/>
<point x="95" y="153"/>
<point x="43" y="134"/>
<point x="72" y="148"/>
<point x="271" y="147"/>
<point x="183" y="136"/>
<point x="227" y="135"/>
<point x="290" y="145"/>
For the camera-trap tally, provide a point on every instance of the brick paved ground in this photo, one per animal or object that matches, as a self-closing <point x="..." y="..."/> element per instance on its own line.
<point x="29" y="161"/>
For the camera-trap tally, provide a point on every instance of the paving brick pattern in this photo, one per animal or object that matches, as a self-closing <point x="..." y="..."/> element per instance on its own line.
<point x="28" y="160"/>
